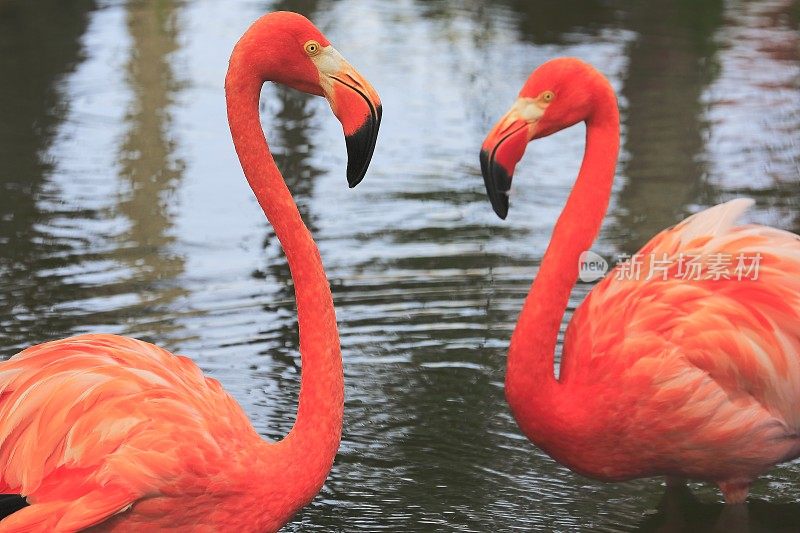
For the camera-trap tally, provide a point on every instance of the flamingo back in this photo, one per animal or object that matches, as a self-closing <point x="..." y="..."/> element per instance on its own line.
<point x="90" y="425"/>
<point x="708" y="364"/>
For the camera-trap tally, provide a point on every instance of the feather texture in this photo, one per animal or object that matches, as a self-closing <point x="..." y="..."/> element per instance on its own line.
<point x="711" y="367"/>
<point x="92" y="425"/>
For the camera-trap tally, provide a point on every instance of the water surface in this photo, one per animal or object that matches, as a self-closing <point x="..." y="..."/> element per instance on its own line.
<point x="123" y="209"/>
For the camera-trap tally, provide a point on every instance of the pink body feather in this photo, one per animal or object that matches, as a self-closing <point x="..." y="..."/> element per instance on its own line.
<point x="693" y="378"/>
<point x="96" y="425"/>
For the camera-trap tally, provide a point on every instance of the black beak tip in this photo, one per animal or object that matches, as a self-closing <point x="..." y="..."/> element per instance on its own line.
<point x="497" y="182"/>
<point x="355" y="171"/>
<point x="501" y="207"/>
<point x="353" y="180"/>
<point x="360" y="147"/>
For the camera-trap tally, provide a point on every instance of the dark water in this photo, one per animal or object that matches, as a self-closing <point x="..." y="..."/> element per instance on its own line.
<point x="123" y="209"/>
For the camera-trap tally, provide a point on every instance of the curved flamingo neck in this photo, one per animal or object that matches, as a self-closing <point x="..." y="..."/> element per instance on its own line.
<point x="538" y="400"/>
<point x="311" y="445"/>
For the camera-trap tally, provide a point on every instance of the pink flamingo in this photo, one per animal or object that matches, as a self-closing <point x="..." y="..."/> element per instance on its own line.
<point x="107" y="432"/>
<point x="687" y="378"/>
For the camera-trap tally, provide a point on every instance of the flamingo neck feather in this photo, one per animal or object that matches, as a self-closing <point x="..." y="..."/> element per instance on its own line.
<point x="541" y="406"/>
<point x="308" y="451"/>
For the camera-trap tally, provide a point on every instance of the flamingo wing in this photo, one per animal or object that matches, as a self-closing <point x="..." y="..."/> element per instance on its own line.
<point x="90" y="425"/>
<point x="712" y="362"/>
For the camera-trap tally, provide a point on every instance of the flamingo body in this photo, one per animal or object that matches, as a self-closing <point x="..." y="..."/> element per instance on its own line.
<point x="698" y="379"/>
<point x="662" y="373"/>
<point x="131" y="428"/>
<point x="107" y="433"/>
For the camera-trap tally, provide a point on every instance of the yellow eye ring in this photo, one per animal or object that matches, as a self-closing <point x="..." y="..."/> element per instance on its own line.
<point x="547" y="96"/>
<point x="312" y="48"/>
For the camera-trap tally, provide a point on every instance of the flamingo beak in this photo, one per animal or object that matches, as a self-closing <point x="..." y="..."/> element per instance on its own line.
<point x="500" y="153"/>
<point x="358" y="107"/>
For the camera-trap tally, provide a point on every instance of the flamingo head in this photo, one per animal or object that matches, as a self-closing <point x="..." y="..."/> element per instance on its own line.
<point x="557" y="95"/>
<point x="287" y="48"/>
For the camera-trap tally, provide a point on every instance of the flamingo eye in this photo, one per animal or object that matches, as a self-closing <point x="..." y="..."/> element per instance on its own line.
<point x="312" y="48"/>
<point x="547" y="96"/>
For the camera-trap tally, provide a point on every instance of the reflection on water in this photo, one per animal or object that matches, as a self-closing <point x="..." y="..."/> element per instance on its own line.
<point x="680" y="511"/>
<point x="559" y="21"/>
<point x="754" y="146"/>
<point x="123" y="209"/>
<point x="149" y="169"/>
<point x="35" y="53"/>
<point x="671" y="62"/>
